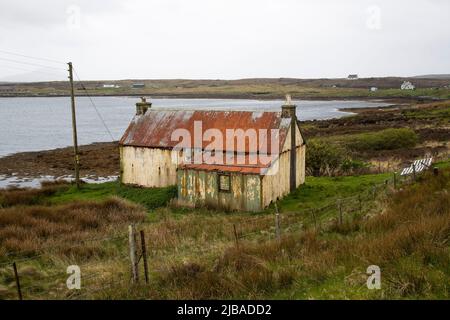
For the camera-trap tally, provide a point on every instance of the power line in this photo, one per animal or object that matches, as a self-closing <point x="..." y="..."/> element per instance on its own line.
<point x="29" y="70"/>
<point x="30" y="63"/>
<point x="31" y="57"/>
<point x="95" y="107"/>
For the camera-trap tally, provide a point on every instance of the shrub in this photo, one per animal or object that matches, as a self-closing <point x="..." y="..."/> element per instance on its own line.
<point x="388" y="139"/>
<point x="323" y="157"/>
<point x="350" y="166"/>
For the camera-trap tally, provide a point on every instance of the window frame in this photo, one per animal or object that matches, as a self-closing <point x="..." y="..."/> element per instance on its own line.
<point x="224" y="174"/>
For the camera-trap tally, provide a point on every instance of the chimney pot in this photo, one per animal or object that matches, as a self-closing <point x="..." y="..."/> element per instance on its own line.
<point x="142" y="106"/>
<point x="288" y="110"/>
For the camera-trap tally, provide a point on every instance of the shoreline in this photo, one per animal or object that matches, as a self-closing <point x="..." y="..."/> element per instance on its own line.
<point x="100" y="160"/>
<point x="350" y="111"/>
<point x="233" y="97"/>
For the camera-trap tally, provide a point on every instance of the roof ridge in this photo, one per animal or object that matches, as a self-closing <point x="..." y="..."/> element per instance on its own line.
<point x="211" y="110"/>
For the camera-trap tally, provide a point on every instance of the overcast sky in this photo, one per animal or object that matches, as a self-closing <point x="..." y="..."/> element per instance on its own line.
<point x="226" y="39"/>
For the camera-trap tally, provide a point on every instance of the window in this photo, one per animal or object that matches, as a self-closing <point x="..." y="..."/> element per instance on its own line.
<point x="224" y="182"/>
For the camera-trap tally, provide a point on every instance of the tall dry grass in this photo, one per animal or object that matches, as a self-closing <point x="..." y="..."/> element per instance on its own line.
<point x="408" y="238"/>
<point x="193" y="254"/>
<point x="31" y="229"/>
<point x="30" y="196"/>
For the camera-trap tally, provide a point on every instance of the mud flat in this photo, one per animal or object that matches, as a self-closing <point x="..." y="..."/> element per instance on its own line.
<point x="99" y="163"/>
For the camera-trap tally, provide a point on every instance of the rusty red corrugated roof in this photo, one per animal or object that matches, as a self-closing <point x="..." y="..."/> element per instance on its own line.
<point x="155" y="127"/>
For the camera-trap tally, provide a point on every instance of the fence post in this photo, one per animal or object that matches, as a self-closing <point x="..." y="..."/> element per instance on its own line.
<point x="414" y="171"/>
<point x="236" y="238"/>
<point x="277" y="223"/>
<point x="340" y="211"/>
<point x="360" y="204"/>
<point x="16" y="276"/>
<point x="133" y="258"/>
<point x="144" y="255"/>
<point x="436" y="171"/>
<point x="313" y="211"/>
<point x="395" y="179"/>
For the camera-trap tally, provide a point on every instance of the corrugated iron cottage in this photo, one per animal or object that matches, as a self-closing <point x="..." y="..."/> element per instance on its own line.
<point x="262" y="160"/>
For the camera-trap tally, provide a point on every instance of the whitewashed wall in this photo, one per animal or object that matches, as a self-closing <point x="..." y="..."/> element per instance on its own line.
<point x="148" y="167"/>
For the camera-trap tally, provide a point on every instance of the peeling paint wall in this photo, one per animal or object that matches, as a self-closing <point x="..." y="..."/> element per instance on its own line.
<point x="276" y="183"/>
<point x="301" y="152"/>
<point x="201" y="188"/>
<point x="148" y="167"/>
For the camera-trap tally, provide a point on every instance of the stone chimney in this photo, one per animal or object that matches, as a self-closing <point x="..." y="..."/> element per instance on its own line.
<point x="288" y="110"/>
<point x="142" y="106"/>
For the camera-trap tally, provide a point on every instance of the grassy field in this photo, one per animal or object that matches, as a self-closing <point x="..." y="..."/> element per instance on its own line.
<point x="148" y="198"/>
<point x="193" y="253"/>
<point x="246" y="88"/>
<point x="273" y="91"/>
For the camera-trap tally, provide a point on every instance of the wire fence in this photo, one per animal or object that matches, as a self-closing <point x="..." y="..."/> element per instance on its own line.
<point x="265" y="227"/>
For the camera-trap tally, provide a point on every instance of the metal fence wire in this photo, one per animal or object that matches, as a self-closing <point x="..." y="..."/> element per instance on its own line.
<point x="264" y="227"/>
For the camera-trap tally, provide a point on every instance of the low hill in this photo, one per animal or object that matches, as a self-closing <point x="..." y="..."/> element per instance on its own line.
<point x="260" y="88"/>
<point x="434" y="76"/>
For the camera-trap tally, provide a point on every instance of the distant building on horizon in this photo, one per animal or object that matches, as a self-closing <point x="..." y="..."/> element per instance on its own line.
<point x="138" y="85"/>
<point x="352" y="77"/>
<point x="111" y="86"/>
<point x="407" y="85"/>
<point x="373" y="89"/>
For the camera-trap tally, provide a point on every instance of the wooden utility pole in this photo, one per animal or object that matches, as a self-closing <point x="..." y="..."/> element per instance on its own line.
<point x="74" y="127"/>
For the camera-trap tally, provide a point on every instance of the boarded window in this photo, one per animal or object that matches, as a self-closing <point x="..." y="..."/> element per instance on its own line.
<point x="224" y="182"/>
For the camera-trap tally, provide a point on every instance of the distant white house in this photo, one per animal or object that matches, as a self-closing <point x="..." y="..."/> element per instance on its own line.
<point x="406" y="85"/>
<point x="111" y="86"/>
<point x="352" y="77"/>
<point x="373" y="89"/>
